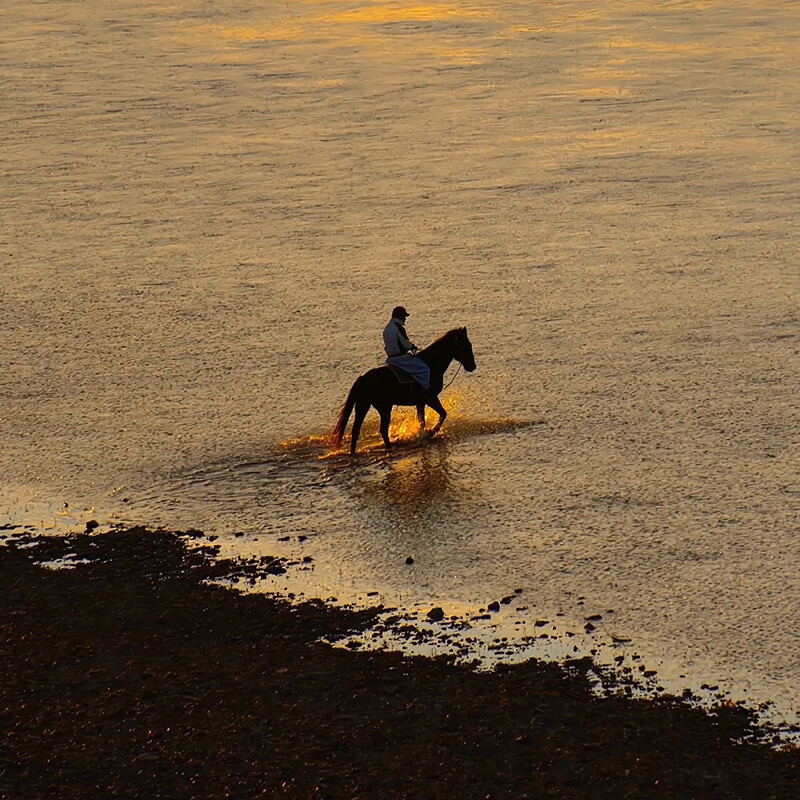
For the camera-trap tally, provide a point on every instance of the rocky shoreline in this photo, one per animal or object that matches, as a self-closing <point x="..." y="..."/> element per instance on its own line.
<point x="131" y="676"/>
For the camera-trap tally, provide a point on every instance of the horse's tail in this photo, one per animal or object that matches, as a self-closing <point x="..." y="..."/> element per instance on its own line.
<point x="347" y="409"/>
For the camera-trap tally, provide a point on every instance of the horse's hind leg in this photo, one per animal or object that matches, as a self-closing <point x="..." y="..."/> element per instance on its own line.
<point x="434" y="403"/>
<point x="362" y="406"/>
<point x="386" y="417"/>
<point x="421" y="415"/>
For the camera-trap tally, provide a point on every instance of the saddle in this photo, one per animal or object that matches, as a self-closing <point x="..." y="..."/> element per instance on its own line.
<point x="401" y="374"/>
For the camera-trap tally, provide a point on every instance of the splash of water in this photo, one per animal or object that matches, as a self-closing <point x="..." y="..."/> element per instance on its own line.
<point x="405" y="429"/>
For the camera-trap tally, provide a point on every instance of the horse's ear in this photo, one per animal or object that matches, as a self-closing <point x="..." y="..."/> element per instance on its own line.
<point x="465" y="331"/>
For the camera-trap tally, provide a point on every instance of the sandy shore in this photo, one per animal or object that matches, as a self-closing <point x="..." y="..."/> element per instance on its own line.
<point x="131" y="677"/>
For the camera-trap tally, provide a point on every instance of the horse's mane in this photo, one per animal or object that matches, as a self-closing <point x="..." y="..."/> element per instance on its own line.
<point x="436" y="345"/>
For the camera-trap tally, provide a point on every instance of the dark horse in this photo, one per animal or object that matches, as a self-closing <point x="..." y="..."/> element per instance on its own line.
<point x="380" y="388"/>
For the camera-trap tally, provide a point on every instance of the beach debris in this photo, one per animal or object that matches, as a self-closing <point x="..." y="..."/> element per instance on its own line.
<point x="436" y="614"/>
<point x="594" y="617"/>
<point x="494" y="606"/>
<point x="410" y="560"/>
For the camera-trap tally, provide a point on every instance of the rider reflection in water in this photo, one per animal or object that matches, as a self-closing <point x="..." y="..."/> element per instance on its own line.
<point x="398" y="346"/>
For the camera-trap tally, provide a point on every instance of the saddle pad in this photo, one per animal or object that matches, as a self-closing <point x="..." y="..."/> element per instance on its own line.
<point x="401" y="374"/>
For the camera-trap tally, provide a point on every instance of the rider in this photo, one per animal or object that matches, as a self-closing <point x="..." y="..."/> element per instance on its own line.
<point x="397" y="346"/>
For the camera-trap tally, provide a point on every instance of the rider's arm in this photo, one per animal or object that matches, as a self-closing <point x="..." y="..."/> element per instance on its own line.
<point x="405" y="344"/>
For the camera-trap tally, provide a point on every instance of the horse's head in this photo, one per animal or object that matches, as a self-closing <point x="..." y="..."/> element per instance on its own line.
<point x="463" y="350"/>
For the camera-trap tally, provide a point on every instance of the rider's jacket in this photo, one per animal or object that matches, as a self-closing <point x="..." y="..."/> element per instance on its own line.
<point x="395" y="340"/>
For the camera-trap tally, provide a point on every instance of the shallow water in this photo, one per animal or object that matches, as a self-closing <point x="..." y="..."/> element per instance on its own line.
<point x="209" y="211"/>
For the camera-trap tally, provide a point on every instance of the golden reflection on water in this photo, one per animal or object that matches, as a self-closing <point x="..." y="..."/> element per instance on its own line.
<point x="391" y="12"/>
<point x="461" y="35"/>
<point x="370" y="27"/>
<point x="420" y="480"/>
<point x="651" y="46"/>
<point x="310" y="25"/>
<point x="405" y="432"/>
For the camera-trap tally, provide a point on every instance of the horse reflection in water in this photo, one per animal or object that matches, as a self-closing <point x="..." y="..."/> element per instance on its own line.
<point x="381" y="389"/>
<point x="421" y="480"/>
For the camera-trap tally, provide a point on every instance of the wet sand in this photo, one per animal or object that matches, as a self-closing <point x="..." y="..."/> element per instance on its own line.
<point x="130" y="676"/>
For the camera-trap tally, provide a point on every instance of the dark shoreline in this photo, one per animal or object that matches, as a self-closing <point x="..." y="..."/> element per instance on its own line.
<point x="131" y="677"/>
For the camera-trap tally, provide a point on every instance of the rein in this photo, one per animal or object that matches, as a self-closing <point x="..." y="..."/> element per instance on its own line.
<point x="454" y="376"/>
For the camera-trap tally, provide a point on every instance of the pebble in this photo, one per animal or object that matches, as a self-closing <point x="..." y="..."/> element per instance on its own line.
<point x="410" y="560"/>
<point x="436" y="614"/>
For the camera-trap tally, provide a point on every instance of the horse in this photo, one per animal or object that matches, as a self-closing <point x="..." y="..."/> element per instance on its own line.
<point x="382" y="389"/>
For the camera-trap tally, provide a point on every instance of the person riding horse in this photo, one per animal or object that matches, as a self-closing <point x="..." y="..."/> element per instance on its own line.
<point x="380" y="388"/>
<point x="398" y="346"/>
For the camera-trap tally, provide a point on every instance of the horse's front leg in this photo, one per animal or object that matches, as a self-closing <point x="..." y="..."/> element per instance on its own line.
<point x="386" y="418"/>
<point x="421" y="416"/>
<point x="434" y="403"/>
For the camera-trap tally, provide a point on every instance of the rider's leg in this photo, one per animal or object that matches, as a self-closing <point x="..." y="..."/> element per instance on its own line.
<point x="426" y="376"/>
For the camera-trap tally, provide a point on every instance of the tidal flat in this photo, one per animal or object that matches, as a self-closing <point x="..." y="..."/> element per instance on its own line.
<point x="129" y="675"/>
